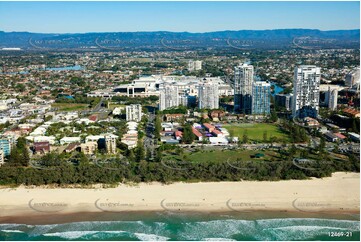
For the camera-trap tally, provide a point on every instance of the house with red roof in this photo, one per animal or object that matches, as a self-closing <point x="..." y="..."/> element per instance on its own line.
<point x="178" y="135"/>
<point x="352" y="112"/>
<point x="340" y="136"/>
<point x="217" y="133"/>
<point x="197" y="134"/>
<point x="93" y="118"/>
<point x="209" y="127"/>
<point x="41" y="147"/>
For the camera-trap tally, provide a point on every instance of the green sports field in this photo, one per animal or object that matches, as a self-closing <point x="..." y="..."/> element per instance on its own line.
<point x="68" y="107"/>
<point x="255" y="131"/>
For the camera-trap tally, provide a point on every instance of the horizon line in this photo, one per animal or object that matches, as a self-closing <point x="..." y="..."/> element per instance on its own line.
<point x="149" y="31"/>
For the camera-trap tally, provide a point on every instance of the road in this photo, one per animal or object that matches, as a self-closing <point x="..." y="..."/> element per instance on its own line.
<point x="149" y="141"/>
<point x="98" y="107"/>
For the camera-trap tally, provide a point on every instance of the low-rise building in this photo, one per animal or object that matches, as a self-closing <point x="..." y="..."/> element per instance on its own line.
<point x="178" y="135"/>
<point x="130" y="141"/>
<point x="167" y="126"/>
<point x="71" y="147"/>
<point x="197" y="134"/>
<point x="194" y="65"/>
<point x="111" y="143"/>
<point x="93" y="138"/>
<point x="39" y="131"/>
<point x="352" y="112"/>
<point x="231" y="118"/>
<point x="85" y="121"/>
<point x="5" y="146"/>
<point x="42" y="147"/>
<point x="332" y="126"/>
<point x="323" y="129"/>
<point x="224" y="131"/>
<point x="89" y="148"/>
<point x="131" y="137"/>
<point x="173" y="117"/>
<point x="331" y="137"/>
<point x="340" y="136"/>
<point x="218" y="140"/>
<point x="2" y="157"/>
<point x="68" y="140"/>
<point x="197" y="126"/>
<point x="355" y="137"/>
<point x="50" y="139"/>
<point x="217" y="133"/>
<point x="311" y="122"/>
<point x="209" y="127"/>
<point x="117" y="111"/>
<point x="217" y="115"/>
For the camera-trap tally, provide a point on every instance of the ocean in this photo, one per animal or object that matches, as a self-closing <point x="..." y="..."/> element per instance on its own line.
<point x="176" y="226"/>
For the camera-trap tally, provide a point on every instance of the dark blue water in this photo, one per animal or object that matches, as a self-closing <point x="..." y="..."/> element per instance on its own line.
<point x="188" y="227"/>
<point x="277" y="89"/>
<point x="65" y="68"/>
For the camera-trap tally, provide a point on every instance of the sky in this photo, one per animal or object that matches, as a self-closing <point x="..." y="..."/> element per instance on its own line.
<point x="82" y="17"/>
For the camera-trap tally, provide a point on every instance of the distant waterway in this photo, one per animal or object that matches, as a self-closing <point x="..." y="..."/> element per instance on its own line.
<point x="277" y="89"/>
<point x="64" y="68"/>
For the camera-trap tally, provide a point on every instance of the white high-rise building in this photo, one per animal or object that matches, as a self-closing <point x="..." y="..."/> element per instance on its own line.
<point x="306" y="91"/>
<point x="353" y="78"/>
<point x="332" y="98"/>
<point x="134" y="112"/>
<point x="168" y="96"/>
<point x="183" y="100"/>
<point x="261" y="97"/>
<point x="243" y="83"/>
<point x="208" y="95"/>
<point x="194" y="65"/>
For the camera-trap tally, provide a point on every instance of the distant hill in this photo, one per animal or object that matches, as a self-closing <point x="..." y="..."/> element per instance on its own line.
<point x="163" y="40"/>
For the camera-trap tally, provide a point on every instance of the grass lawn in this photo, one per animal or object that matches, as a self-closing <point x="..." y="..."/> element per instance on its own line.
<point x="255" y="131"/>
<point x="232" y="155"/>
<point x="112" y="106"/>
<point x="70" y="106"/>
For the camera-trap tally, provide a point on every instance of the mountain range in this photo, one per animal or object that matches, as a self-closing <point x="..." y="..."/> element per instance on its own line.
<point x="181" y="41"/>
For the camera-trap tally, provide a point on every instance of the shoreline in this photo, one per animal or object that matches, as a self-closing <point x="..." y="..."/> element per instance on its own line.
<point x="78" y="217"/>
<point x="338" y="195"/>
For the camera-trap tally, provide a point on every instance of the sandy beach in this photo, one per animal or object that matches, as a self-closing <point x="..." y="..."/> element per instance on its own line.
<point x="339" y="194"/>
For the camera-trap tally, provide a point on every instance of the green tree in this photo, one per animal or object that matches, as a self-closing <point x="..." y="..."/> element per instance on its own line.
<point x="354" y="125"/>
<point x="131" y="155"/>
<point x="245" y="137"/>
<point x="273" y="140"/>
<point x="188" y="136"/>
<point x="140" y="153"/>
<point x="148" y="155"/>
<point x="19" y="155"/>
<point x="231" y="135"/>
<point x="336" y="148"/>
<point x="322" y="145"/>
<point x="292" y="151"/>
<point x="159" y="155"/>
<point x="273" y="116"/>
<point x="265" y="136"/>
